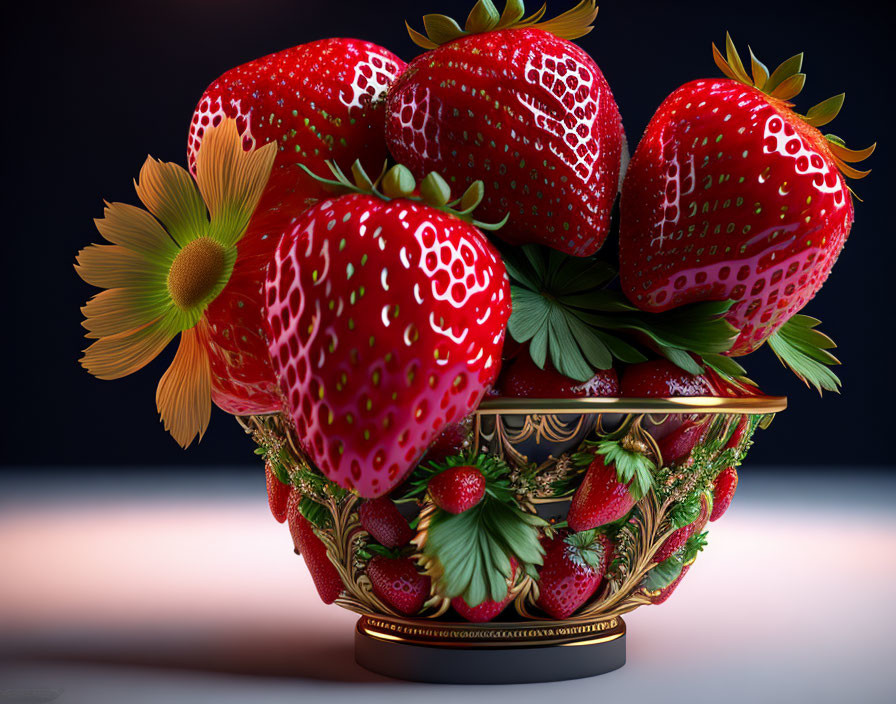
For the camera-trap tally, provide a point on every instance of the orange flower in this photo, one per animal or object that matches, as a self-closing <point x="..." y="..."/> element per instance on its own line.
<point x="165" y="265"/>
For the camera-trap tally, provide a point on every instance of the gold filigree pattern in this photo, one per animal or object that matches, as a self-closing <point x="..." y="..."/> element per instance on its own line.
<point x="540" y="450"/>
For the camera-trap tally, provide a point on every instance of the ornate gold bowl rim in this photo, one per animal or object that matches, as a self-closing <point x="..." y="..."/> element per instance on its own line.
<point x="753" y="405"/>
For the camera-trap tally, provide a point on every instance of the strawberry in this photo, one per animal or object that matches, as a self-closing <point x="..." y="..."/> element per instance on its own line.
<point x="453" y="440"/>
<point x="574" y="565"/>
<point x="723" y="492"/>
<point x="660" y="595"/>
<point x="278" y="494"/>
<point x="680" y="443"/>
<point x="387" y="320"/>
<point x="396" y="581"/>
<point x="381" y="518"/>
<point x="681" y="535"/>
<point x="488" y="609"/>
<point x="601" y="498"/>
<point x="661" y="378"/>
<point x="318" y="101"/>
<point x="522" y="378"/>
<point x="323" y="572"/>
<point x="457" y="489"/>
<point x="733" y="195"/>
<point x="516" y="103"/>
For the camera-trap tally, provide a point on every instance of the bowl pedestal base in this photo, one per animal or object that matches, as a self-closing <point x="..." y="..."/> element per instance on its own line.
<point x="490" y="653"/>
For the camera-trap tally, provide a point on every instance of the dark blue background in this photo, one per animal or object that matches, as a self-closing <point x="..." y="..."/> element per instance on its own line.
<point x="90" y="88"/>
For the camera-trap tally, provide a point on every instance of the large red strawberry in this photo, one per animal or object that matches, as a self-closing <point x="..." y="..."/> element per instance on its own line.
<point x="522" y="378"/>
<point x="488" y="609"/>
<point x="312" y="549"/>
<point x="733" y="195"/>
<point x="574" y="565"/>
<point x="381" y="518"/>
<point x="387" y="321"/>
<point x="396" y="581"/>
<point x="278" y="494"/>
<point x="318" y="101"/>
<point x="659" y="378"/>
<point x="516" y="104"/>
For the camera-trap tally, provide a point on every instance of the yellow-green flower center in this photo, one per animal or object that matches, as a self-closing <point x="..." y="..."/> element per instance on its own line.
<point x="195" y="272"/>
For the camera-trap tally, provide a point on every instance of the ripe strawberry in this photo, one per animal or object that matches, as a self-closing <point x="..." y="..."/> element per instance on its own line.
<point x="488" y="609"/>
<point x="680" y="443"/>
<point x="723" y="492"/>
<point x="574" y="565"/>
<point x="662" y="594"/>
<point x="323" y="572"/>
<point x="731" y="194"/>
<point x="681" y="536"/>
<point x="318" y="101"/>
<point x="396" y="581"/>
<point x="457" y="489"/>
<point x="522" y="108"/>
<point x="661" y="378"/>
<point x="382" y="519"/>
<point x="522" y="378"/>
<point x="387" y="320"/>
<point x="278" y="494"/>
<point x="601" y="498"/>
<point x="737" y="437"/>
<point x="453" y="440"/>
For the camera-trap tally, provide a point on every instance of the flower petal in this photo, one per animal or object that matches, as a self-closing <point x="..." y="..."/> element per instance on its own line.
<point x="120" y="355"/>
<point x="137" y="230"/>
<point x="114" y="266"/>
<point x="170" y="194"/>
<point x="184" y="394"/>
<point x="120" y="310"/>
<point x="231" y="179"/>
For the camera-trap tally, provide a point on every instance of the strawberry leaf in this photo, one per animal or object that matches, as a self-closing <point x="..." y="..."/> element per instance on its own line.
<point x="316" y="514"/>
<point x="564" y="310"/>
<point x="803" y="349"/>
<point x="630" y="467"/>
<point x="473" y="548"/>
<point x="685" y="512"/>
<point x="668" y="570"/>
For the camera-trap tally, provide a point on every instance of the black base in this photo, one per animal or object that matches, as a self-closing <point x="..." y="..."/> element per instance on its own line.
<point x="502" y="653"/>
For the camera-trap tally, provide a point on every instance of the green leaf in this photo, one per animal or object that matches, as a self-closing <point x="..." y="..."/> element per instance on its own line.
<point x="315" y="513"/>
<point x="530" y="313"/>
<point x="565" y="352"/>
<point x="803" y="349"/>
<point x="474" y="548"/>
<point x="682" y="359"/>
<point x="687" y="511"/>
<point x="663" y="574"/>
<point x="725" y="366"/>
<point x="631" y="467"/>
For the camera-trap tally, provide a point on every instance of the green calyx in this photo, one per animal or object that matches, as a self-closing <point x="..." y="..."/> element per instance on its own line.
<point x="399" y="182"/>
<point x="804" y="350"/>
<point x="785" y="83"/>
<point x="564" y="310"/>
<point x="484" y="17"/>
<point x="586" y="548"/>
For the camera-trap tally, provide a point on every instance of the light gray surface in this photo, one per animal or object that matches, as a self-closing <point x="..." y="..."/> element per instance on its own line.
<point x="142" y="589"/>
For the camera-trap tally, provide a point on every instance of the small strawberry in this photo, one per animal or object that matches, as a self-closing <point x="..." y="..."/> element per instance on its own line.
<point x="457" y="489"/>
<point x="522" y="378"/>
<point x="681" y="535"/>
<point x="317" y="101"/>
<point x="396" y="581"/>
<point x="723" y="492"/>
<point x="488" y="609"/>
<point x="614" y="482"/>
<point x="733" y="195"/>
<point x="663" y="578"/>
<point x="660" y="595"/>
<point x="387" y="319"/>
<point x="381" y="518"/>
<point x="514" y="102"/>
<point x="323" y="572"/>
<point x="453" y="440"/>
<point x="737" y="437"/>
<point x="680" y="443"/>
<point x="278" y="494"/>
<point x="574" y="565"/>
